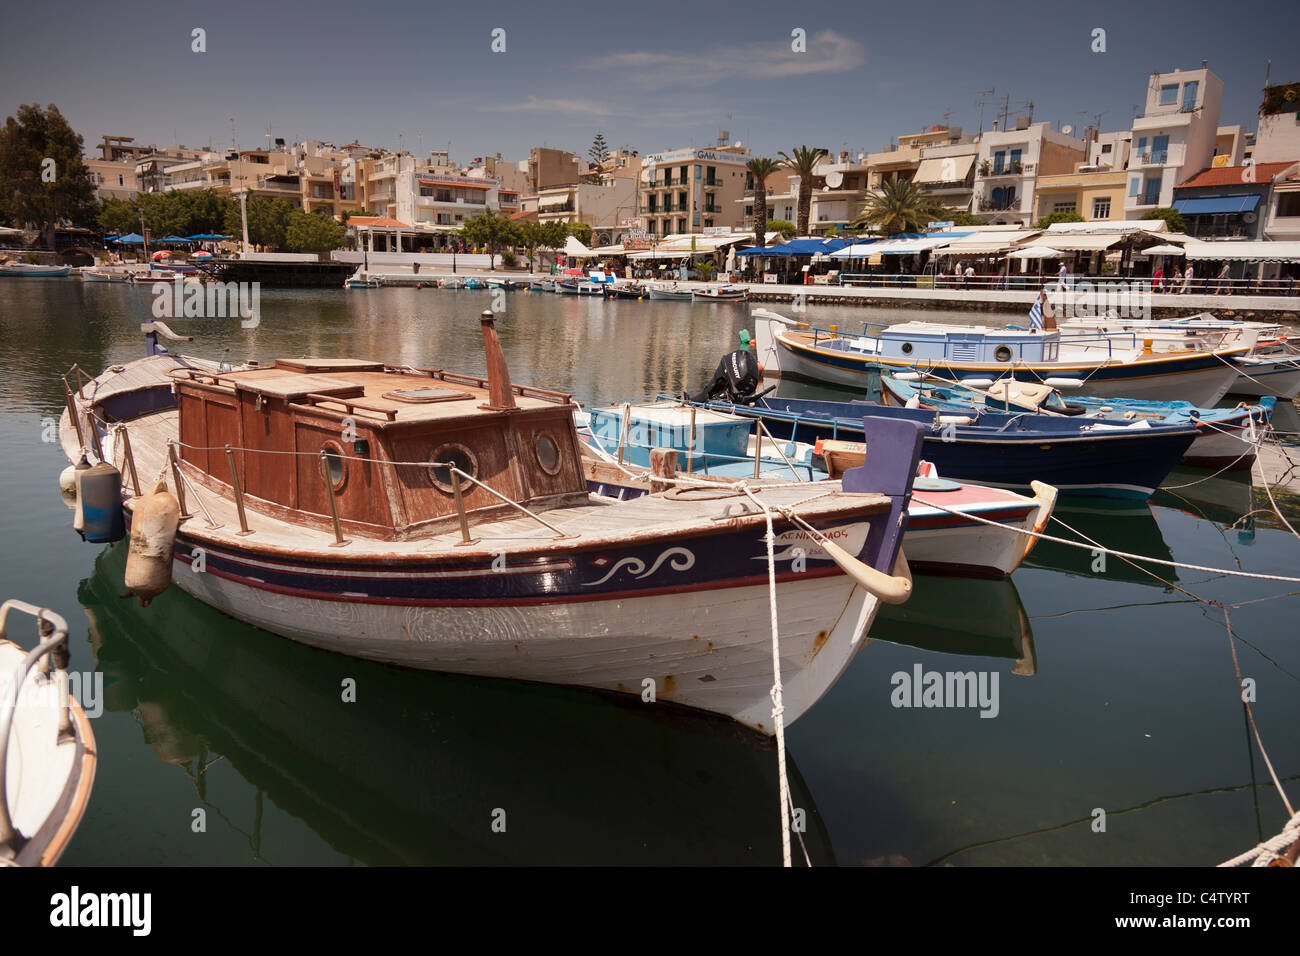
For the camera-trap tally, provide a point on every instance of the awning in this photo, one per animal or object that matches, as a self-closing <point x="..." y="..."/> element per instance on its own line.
<point x="1216" y="205"/>
<point x="131" y="238"/>
<point x="546" y="202"/>
<point x="1036" y="252"/>
<point x="990" y="243"/>
<point x="858" y="250"/>
<point x="1167" y="249"/>
<point x="572" y="247"/>
<point x="1084" y="243"/>
<point x="1245" y="251"/>
<point x="947" y="169"/>
<point x="906" y="247"/>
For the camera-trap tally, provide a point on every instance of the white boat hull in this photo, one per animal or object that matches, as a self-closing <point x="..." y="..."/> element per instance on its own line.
<point x="726" y="669"/>
<point x="1280" y="378"/>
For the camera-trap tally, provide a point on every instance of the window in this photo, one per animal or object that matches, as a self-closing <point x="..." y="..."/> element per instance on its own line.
<point x="749" y="210"/>
<point x="681" y="225"/>
<point x="1142" y="146"/>
<point x="699" y="173"/>
<point x="1169" y="94"/>
<point x="457" y="456"/>
<point x="1015" y="158"/>
<point x="1101" y="208"/>
<point x="120" y="180"/>
<point x="749" y="181"/>
<point x="1159" y="149"/>
<point x="548" y="453"/>
<point x="1189" y="95"/>
<point x="999" y="161"/>
<point x="711" y="175"/>
<point x="1288" y="204"/>
<point x="1105" y="148"/>
<point x="1070" y="206"/>
<point x="426" y="191"/>
<point x="685" y="176"/>
<point x="1152" y="195"/>
<point x="335" y="465"/>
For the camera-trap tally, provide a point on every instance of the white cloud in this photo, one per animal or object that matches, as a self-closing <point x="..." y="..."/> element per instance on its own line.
<point x="828" y="52"/>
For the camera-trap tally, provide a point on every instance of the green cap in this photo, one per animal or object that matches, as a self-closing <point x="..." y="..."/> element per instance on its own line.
<point x="744" y="337"/>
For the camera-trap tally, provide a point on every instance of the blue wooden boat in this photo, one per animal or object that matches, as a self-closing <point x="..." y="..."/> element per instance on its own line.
<point x="1226" y="437"/>
<point x="1005" y="450"/>
<point x="566" y="286"/>
<point x="472" y="283"/>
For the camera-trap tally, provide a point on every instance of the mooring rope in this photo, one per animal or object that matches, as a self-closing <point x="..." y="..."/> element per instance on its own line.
<point x="1264" y="854"/>
<point x="778" y="703"/>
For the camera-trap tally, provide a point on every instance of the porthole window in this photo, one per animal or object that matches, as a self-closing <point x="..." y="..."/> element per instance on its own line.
<point x="907" y="348"/>
<point x="456" y="455"/>
<point x="336" y="465"/>
<point x="1002" y="353"/>
<point x="548" y="453"/>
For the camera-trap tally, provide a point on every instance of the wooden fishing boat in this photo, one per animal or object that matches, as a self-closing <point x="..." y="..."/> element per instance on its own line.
<point x="103" y="275"/>
<point x="628" y="290"/>
<point x="670" y="293"/>
<point x="1225" y="437"/>
<point x="1271" y="367"/>
<point x="360" y="280"/>
<point x="442" y="521"/>
<point x="27" y="270"/>
<point x="1094" y="364"/>
<point x="998" y="449"/>
<point x="946" y="529"/>
<point x="451" y="282"/>
<point x="542" y="285"/>
<point x="47" y="749"/>
<point x="723" y="294"/>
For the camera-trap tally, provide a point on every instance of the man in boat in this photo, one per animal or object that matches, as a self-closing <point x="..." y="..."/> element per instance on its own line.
<point x="736" y="377"/>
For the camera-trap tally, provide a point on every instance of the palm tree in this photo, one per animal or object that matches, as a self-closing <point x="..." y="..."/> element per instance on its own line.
<point x="898" y="205"/>
<point x="760" y="167"/>
<point x="802" y="163"/>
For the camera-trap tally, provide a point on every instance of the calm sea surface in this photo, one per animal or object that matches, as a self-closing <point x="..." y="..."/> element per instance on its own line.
<point x="1116" y="691"/>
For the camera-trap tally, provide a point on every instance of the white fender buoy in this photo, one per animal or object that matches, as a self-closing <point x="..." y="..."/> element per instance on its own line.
<point x="68" y="486"/>
<point x="79" y="516"/>
<point x="153" y="535"/>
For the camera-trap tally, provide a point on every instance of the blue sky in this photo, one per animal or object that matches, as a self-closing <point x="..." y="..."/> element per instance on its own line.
<point x="650" y="75"/>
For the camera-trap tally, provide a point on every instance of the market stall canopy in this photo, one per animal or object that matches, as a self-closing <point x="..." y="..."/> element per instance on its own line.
<point x="174" y="239"/>
<point x="1244" y="251"/>
<point x="858" y="250"/>
<point x="1167" y="249"/>
<point x="131" y="238"/>
<point x="1036" y="252"/>
<point x="572" y="247"/>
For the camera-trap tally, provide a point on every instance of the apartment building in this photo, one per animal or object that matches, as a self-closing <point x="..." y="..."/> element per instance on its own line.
<point x="690" y="190"/>
<point x="1174" y="139"/>
<point x="1009" y="165"/>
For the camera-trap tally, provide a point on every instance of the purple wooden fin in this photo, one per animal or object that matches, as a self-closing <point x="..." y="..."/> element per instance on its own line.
<point x="893" y="453"/>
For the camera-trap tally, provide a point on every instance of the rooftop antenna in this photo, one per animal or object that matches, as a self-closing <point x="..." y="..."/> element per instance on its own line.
<point x="947" y="115"/>
<point x="268" y="136"/>
<point x="1268" y="71"/>
<point x="234" y="145"/>
<point x="1005" y="112"/>
<point x="981" y="103"/>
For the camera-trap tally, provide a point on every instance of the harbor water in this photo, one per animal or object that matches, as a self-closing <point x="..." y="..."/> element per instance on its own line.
<point x="1111" y="730"/>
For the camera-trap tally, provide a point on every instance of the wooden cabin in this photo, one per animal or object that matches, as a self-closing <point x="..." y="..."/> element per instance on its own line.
<point x="377" y="431"/>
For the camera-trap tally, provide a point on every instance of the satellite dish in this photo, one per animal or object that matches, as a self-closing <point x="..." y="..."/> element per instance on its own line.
<point x="826" y="189"/>
<point x="1067" y="130"/>
<point x="1248" y="217"/>
<point x="834" y="179"/>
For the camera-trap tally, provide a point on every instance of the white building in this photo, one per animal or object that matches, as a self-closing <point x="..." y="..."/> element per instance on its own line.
<point x="1009" y="163"/>
<point x="1174" y="139"/>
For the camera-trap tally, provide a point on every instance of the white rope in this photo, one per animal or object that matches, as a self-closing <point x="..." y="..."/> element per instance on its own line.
<point x="778" y="704"/>
<point x="1265" y="853"/>
<point x="1119" y="554"/>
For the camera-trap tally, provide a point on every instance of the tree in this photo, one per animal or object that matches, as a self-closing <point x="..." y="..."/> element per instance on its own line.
<point x="759" y="168"/>
<point x="784" y="226"/>
<point x="42" y="177"/>
<point x="313" y="232"/>
<point x="268" y="219"/>
<point x="118" y="216"/>
<point x="802" y="164"/>
<point x="1172" y="217"/>
<point x="898" y="205"/>
<point x="599" y="151"/>
<point x="580" y="231"/>
<point x="492" y="232"/>
<point x="1052" y="217"/>
<point x="966" y="219"/>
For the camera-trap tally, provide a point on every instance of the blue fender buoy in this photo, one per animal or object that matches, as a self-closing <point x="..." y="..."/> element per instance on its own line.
<point x="99" y="498"/>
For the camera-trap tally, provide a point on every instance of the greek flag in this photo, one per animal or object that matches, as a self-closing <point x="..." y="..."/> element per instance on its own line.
<point x="1036" y="315"/>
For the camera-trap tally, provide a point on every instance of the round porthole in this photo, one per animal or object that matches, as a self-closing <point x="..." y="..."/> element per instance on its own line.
<point x="1002" y="353"/>
<point x="548" y="453"/>
<point x="336" y="465"/>
<point x="456" y="455"/>
<point x="907" y="348"/>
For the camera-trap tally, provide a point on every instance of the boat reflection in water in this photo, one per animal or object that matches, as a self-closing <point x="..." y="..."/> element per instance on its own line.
<point x="1119" y="526"/>
<point x="940" y="619"/>
<point x="413" y="770"/>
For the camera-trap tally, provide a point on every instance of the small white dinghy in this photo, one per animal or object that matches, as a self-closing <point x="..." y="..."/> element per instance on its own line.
<point x="47" y="750"/>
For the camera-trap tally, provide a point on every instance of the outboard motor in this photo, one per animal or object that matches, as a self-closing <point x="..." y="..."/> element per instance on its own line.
<point x="736" y="378"/>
